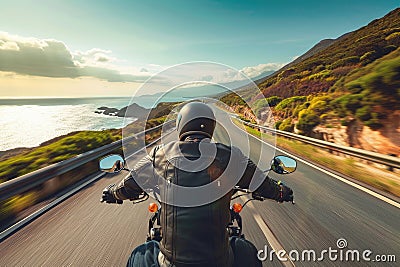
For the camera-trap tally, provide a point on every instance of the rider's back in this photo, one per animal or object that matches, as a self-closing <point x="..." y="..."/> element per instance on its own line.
<point x="194" y="234"/>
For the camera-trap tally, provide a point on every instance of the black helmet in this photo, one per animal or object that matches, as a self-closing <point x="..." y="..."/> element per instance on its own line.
<point x="195" y="118"/>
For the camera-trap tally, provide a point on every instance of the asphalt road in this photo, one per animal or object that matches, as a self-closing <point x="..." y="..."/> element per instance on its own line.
<point x="81" y="231"/>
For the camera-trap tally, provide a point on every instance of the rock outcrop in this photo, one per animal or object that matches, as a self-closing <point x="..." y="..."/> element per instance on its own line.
<point x="386" y="140"/>
<point x="133" y="110"/>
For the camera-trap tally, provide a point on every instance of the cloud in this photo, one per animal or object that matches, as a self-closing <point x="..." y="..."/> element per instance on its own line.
<point x="230" y="75"/>
<point x="260" y="69"/>
<point x="52" y="58"/>
<point x="8" y="45"/>
<point x="198" y="74"/>
<point x="93" y="56"/>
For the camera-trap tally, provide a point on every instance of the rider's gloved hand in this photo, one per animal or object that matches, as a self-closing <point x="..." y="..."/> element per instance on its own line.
<point x="285" y="194"/>
<point x="108" y="196"/>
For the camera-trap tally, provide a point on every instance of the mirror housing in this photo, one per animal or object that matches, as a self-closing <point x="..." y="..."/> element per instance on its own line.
<point x="112" y="163"/>
<point x="283" y="164"/>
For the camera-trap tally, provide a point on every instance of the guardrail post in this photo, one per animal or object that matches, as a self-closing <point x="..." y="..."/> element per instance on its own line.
<point x="390" y="168"/>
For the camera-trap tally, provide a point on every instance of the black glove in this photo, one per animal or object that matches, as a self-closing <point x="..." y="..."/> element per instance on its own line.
<point x="108" y="196"/>
<point x="285" y="194"/>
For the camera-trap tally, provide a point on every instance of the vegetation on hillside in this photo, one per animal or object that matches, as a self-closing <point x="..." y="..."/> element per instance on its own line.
<point x="71" y="145"/>
<point x="368" y="94"/>
<point x="355" y="77"/>
<point x="371" y="94"/>
<point x="321" y="71"/>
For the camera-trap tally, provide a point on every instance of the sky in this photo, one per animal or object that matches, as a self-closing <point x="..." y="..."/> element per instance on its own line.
<point x="109" y="48"/>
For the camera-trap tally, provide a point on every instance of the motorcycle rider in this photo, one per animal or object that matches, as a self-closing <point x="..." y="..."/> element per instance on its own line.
<point x="194" y="236"/>
<point x="116" y="167"/>
<point x="278" y="166"/>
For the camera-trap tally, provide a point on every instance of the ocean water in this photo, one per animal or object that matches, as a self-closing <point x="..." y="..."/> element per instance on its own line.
<point x="30" y="122"/>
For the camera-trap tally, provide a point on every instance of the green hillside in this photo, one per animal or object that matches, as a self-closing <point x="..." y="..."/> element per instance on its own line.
<point x="355" y="77"/>
<point x="322" y="70"/>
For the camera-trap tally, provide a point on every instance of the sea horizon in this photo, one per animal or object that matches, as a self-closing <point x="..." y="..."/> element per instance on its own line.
<point x="28" y="122"/>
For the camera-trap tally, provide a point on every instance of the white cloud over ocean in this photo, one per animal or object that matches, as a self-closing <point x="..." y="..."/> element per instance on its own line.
<point x="52" y="58"/>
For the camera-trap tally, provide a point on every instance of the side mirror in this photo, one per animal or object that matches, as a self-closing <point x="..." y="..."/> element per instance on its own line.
<point x="283" y="164"/>
<point x="112" y="163"/>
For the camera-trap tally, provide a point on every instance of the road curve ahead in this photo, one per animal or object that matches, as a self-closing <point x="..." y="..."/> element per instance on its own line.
<point x="81" y="231"/>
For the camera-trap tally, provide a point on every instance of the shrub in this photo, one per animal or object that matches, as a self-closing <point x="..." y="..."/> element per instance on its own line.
<point x="323" y="117"/>
<point x="354" y="87"/>
<point x="364" y="113"/>
<point x="346" y="62"/>
<point x="307" y="121"/>
<point x="277" y="124"/>
<point x="319" y="68"/>
<point x="394" y="37"/>
<point x="299" y="108"/>
<point x="319" y="106"/>
<point x="368" y="57"/>
<point x="319" y="75"/>
<point x="290" y="102"/>
<point x="286" y="125"/>
<point x="232" y="99"/>
<point x="261" y="104"/>
<point x="54" y="151"/>
<point x="374" y="122"/>
<point x="389" y="48"/>
<point x="273" y="100"/>
<point x="348" y="102"/>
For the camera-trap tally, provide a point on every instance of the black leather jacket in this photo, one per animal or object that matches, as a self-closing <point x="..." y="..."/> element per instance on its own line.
<point x="195" y="236"/>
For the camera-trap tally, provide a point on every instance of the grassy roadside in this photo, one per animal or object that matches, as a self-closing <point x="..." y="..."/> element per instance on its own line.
<point x="56" y="150"/>
<point x="376" y="177"/>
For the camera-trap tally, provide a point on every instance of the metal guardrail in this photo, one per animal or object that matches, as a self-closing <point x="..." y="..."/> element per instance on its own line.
<point x="355" y="152"/>
<point x="28" y="181"/>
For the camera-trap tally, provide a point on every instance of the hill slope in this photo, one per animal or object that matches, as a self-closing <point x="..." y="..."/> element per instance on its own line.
<point x="320" y="71"/>
<point x="341" y="90"/>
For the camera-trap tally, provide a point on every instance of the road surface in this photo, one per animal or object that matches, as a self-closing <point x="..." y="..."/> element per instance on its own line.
<point x="81" y="231"/>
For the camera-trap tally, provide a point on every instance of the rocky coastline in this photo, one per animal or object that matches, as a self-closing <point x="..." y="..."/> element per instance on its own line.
<point x="133" y="110"/>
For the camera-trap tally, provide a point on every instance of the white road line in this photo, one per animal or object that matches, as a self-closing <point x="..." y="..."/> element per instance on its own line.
<point x="269" y="235"/>
<point x="364" y="189"/>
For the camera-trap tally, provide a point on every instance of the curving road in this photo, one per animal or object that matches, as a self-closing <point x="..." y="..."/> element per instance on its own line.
<point x="81" y="231"/>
